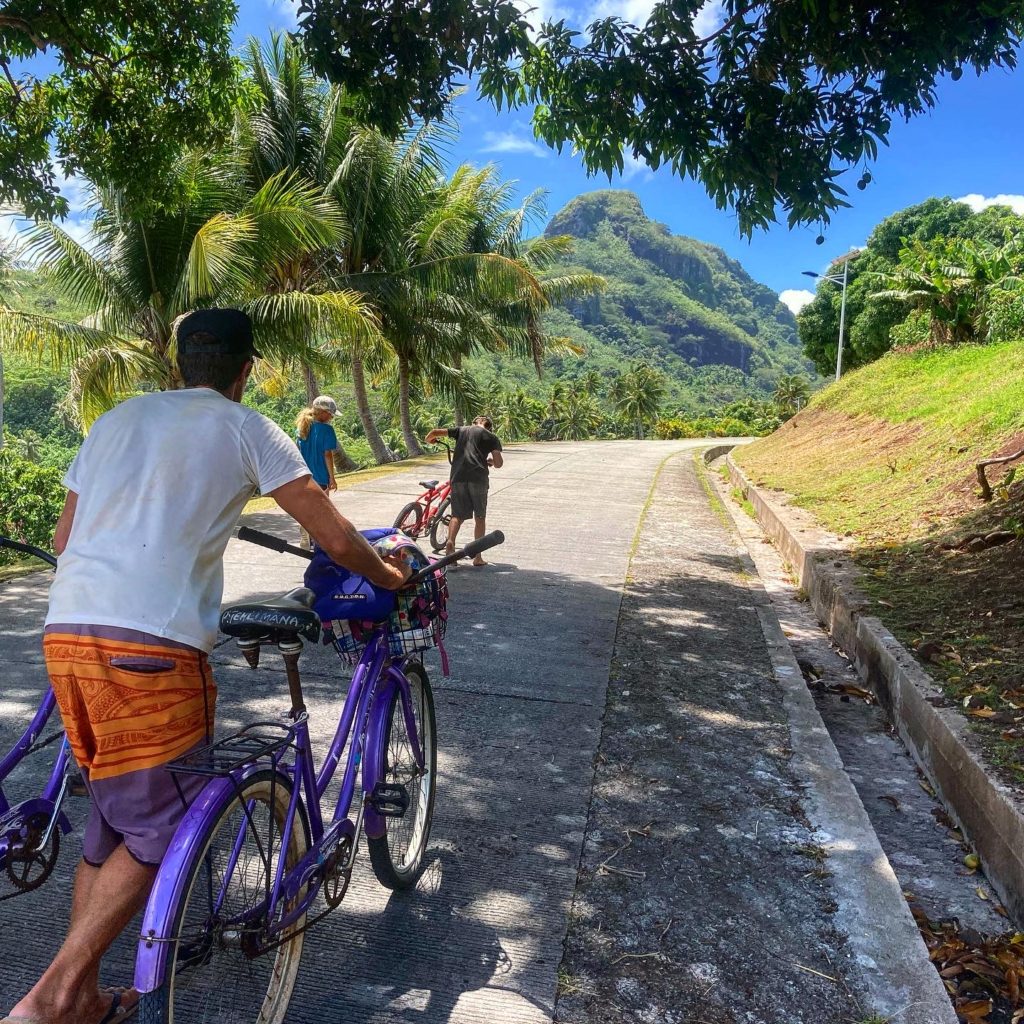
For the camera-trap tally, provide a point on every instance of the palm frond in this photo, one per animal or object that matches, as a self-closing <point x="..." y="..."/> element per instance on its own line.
<point x="106" y="376"/>
<point x="220" y="263"/>
<point x="61" y="342"/>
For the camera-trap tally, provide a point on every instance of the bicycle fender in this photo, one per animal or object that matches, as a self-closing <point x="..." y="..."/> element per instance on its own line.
<point x="158" y="921"/>
<point x="374" y="824"/>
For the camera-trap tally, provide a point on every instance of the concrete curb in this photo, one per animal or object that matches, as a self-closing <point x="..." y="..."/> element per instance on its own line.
<point x="896" y="973"/>
<point x="899" y="979"/>
<point x="938" y="737"/>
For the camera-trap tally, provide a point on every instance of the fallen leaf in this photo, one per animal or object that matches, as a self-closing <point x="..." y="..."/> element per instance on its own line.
<point x="972" y="861"/>
<point x="982" y="895"/>
<point x="982" y="712"/>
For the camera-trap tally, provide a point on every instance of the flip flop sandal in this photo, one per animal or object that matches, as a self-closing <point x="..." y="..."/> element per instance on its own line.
<point x="12" y="1019"/>
<point x="117" y="1012"/>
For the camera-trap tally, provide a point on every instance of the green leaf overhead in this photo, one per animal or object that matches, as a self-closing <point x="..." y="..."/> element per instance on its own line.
<point x="768" y="110"/>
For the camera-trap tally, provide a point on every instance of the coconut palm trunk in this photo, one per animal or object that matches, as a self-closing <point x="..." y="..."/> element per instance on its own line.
<point x="412" y="443"/>
<point x="380" y="450"/>
<point x="1" y="400"/>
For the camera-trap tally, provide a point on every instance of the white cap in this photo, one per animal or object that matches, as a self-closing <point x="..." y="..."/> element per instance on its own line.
<point x="326" y="403"/>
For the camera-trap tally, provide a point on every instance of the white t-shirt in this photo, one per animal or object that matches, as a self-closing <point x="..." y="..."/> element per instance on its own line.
<point x="161" y="480"/>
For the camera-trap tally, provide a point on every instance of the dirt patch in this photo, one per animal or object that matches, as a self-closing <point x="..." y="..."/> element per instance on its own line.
<point x="868" y="478"/>
<point x="910" y="501"/>
<point x="702" y="894"/>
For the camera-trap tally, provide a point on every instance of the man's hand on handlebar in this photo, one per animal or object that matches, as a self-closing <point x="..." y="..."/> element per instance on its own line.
<point x="402" y="571"/>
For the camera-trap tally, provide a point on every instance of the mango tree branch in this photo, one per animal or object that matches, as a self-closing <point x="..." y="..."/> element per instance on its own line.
<point x="986" y="490"/>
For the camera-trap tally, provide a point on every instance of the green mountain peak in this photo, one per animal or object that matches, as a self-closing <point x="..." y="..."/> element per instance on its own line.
<point x="676" y="302"/>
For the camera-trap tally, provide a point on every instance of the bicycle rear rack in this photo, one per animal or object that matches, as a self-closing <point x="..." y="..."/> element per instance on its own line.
<point x="230" y="753"/>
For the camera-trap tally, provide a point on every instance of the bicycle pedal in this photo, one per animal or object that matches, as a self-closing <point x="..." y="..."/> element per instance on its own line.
<point x="390" y="800"/>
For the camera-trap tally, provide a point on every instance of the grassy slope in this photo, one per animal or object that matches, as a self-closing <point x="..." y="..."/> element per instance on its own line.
<point x="887" y="457"/>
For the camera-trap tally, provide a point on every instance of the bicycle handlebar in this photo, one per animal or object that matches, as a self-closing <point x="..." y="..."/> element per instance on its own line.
<point x="447" y="449"/>
<point x="268" y="540"/>
<point x="28" y="549"/>
<point x="471" y="550"/>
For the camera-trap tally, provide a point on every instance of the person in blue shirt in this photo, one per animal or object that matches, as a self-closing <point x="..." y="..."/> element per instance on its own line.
<point x="317" y="443"/>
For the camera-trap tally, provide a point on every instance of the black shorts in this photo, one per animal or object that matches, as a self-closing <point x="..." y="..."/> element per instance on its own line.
<point x="469" y="500"/>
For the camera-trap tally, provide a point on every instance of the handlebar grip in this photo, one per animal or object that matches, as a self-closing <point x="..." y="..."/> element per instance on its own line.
<point x="28" y="549"/>
<point x="471" y="550"/>
<point x="268" y="540"/>
<point x="490" y="540"/>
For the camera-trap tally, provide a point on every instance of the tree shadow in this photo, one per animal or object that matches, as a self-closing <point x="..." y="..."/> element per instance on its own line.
<point x="518" y="723"/>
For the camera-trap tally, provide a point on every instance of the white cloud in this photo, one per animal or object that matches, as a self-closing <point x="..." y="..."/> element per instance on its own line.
<point x="287" y="12"/>
<point x="795" y="298"/>
<point x="634" y="168"/>
<point x="511" y="142"/>
<point x="710" y="16"/>
<point x="540" y="11"/>
<point x="978" y="202"/>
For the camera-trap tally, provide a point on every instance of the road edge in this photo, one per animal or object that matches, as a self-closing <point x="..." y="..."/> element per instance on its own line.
<point x="895" y="971"/>
<point x="936" y="735"/>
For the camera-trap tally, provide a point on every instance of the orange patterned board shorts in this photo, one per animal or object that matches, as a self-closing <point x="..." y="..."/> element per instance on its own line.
<point x="129" y="701"/>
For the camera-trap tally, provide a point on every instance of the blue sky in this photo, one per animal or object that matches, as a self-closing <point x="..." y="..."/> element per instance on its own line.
<point x="968" y="146"/>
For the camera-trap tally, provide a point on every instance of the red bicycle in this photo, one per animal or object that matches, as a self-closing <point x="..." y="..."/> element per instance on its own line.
<point x="430" y="514"/>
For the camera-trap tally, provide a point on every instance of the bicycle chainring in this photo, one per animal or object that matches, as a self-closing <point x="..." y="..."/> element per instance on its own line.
<point x="28" y="868"/>
<point x="337" y="874"/>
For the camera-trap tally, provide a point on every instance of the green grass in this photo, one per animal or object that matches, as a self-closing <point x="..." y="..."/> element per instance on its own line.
<point x="961" y="390"/>
<point x="887" y="457"/>
<point x="888" y="454"/>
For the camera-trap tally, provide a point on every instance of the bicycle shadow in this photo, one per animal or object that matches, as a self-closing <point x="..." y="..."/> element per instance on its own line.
<point x="414" y="959"/>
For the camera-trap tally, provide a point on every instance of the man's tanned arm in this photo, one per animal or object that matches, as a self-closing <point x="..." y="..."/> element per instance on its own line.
<point x="303" y="500"/>
<point x="62" y="531"/>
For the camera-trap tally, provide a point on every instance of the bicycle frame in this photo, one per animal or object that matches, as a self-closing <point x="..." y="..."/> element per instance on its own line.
<point x="14" y="820"/>
<point x="363" y="719"/>
<point x="432" y="500"/>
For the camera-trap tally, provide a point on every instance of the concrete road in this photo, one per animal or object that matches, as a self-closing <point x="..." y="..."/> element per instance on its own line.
<point x="531" y="641"/>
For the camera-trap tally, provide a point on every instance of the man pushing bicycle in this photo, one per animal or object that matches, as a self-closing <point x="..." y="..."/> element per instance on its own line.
<point x="477" y="449"/>
<point x="153" y="496"/>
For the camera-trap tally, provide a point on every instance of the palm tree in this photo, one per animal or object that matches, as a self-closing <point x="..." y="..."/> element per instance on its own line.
<point x="637" y="396"/>
<point x="223" y="245"/>
<point x="791" y="393"/>
<point x="577" y="417"/>
<point x="517" y="415"/>
<point x="591" y="383"/>
<point x="7" y="257"/>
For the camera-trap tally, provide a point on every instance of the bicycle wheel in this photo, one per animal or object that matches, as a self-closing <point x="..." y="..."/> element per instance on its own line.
<point x="212" y="972"/>
<point x="397" y="856"/>
<point x="408" y="520"/>
<point x="439" y="525"/>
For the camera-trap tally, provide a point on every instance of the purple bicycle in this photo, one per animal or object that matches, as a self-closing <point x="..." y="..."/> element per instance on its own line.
<point x="30" y="831"/>
<point x="254" y="863"/>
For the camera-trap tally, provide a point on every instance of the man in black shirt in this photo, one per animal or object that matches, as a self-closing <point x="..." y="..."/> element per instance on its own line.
<point x="476" y="448"/>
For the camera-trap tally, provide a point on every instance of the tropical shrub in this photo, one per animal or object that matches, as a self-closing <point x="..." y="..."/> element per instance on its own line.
<point x="31" y="499"/>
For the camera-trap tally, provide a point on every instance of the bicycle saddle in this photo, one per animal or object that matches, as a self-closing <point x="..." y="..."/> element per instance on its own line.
<point x="429" y="484"/>
<point x="287" y="616"/>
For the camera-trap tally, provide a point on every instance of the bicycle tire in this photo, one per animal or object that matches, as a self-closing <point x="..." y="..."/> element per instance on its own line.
<point x="439" y="525"/>
<point x="214" y="997"/>
<point x="397" y="861"/>
<point x="402" y="523"/>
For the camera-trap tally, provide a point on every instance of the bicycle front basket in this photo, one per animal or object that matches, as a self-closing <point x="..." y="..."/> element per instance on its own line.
<point x="421" y="619"/>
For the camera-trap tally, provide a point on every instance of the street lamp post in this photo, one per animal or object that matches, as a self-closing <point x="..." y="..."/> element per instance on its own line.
<point x="842" y="279"/>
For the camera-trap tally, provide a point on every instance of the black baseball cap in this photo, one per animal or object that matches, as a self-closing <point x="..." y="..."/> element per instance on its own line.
<point x="229" y="329"/>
